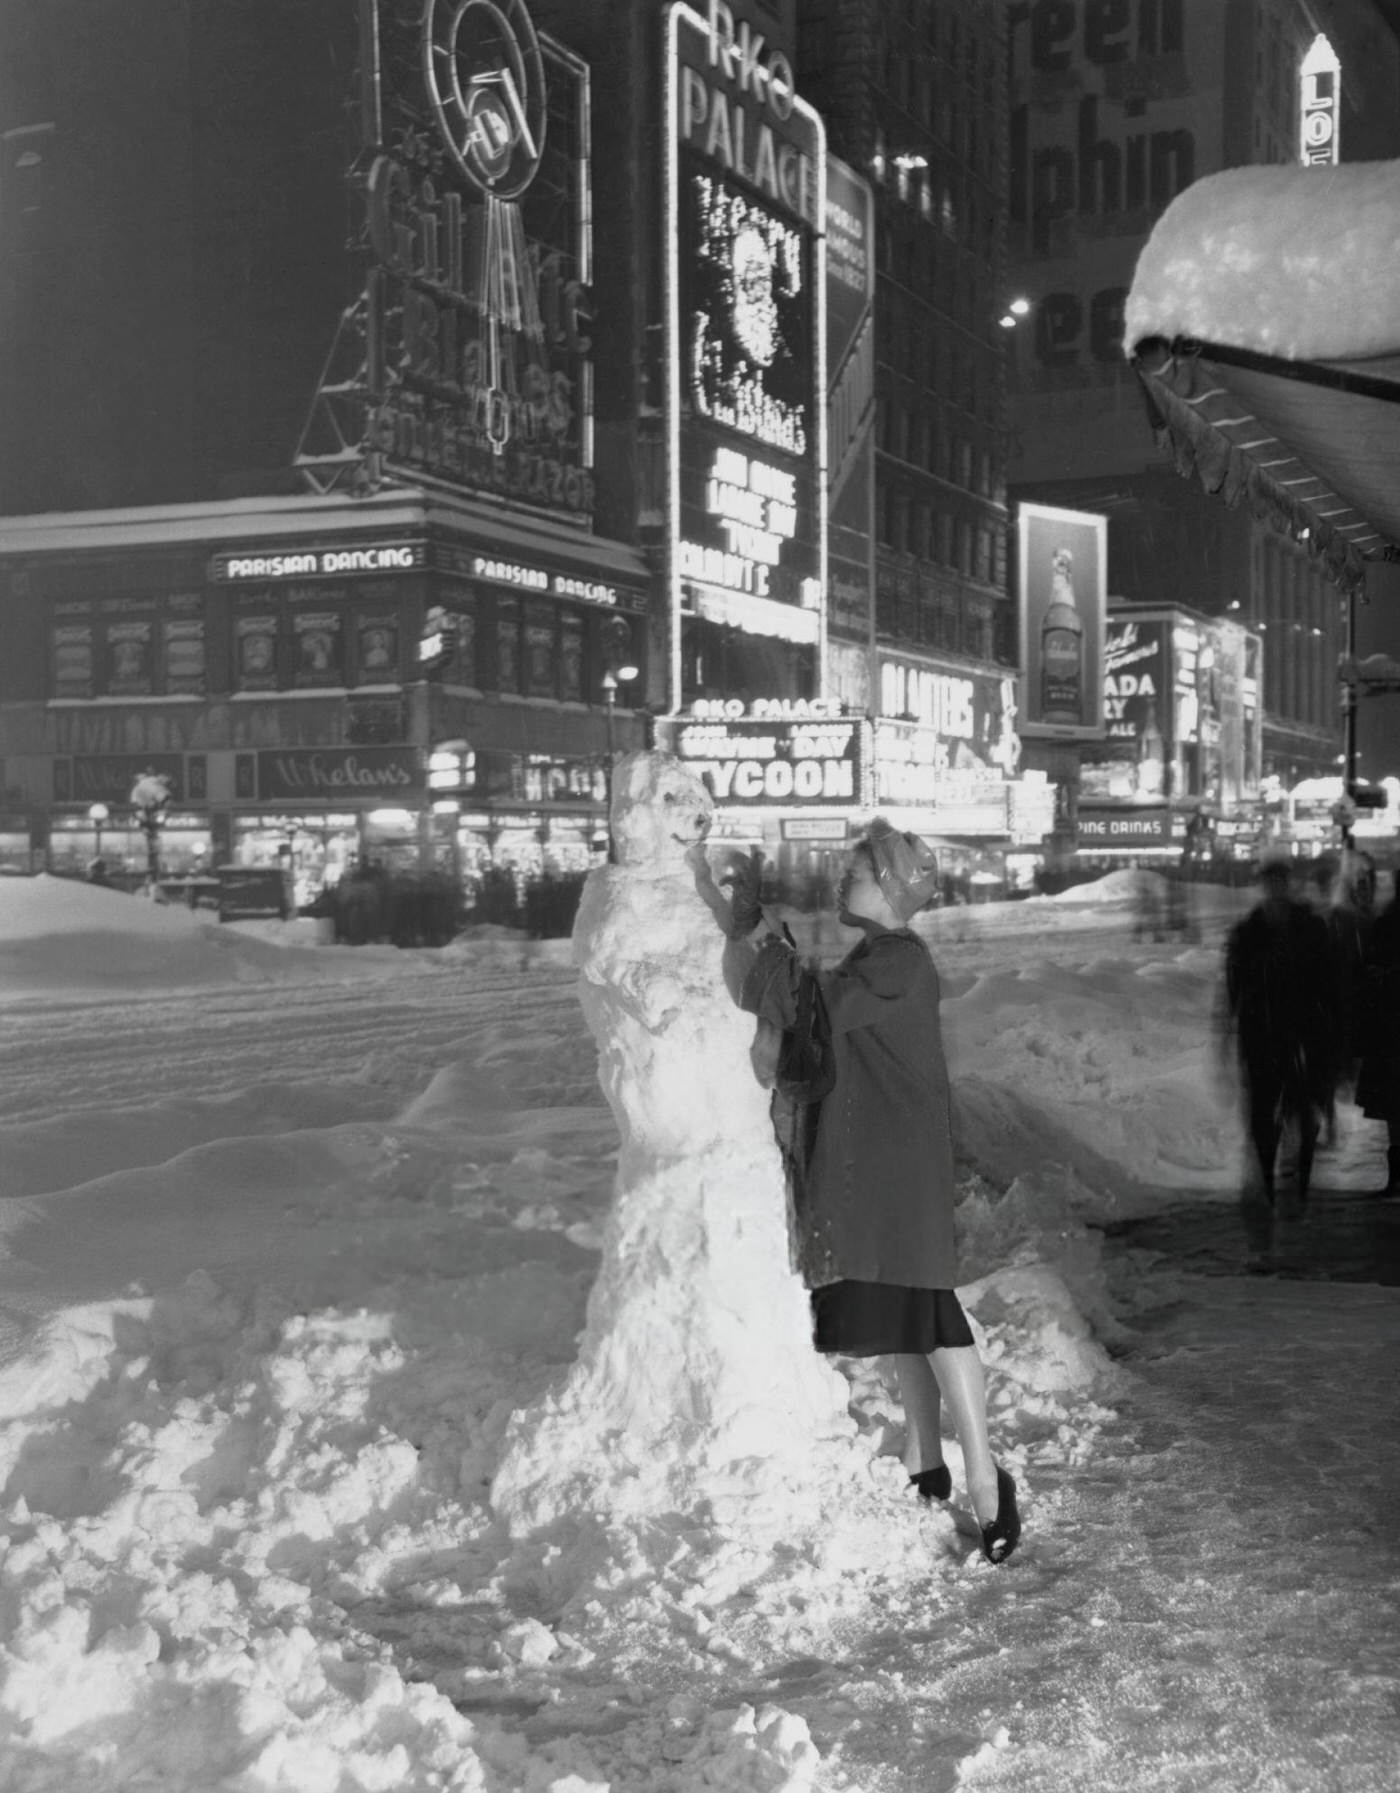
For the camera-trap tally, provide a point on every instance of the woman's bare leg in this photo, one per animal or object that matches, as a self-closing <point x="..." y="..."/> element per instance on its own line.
<point x="959" y="1372"/>
<point x="923" y="1413"/>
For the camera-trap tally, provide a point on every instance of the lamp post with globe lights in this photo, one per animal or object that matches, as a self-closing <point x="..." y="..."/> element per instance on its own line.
<point x="612" y="679"/>
<point x="98" y="815"/>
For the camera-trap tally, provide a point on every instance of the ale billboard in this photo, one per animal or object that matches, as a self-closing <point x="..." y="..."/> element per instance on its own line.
<point x="1062" y="595"/>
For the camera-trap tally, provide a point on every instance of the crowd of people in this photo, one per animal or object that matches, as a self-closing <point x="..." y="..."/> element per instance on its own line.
<point x="1310" y="1007"/>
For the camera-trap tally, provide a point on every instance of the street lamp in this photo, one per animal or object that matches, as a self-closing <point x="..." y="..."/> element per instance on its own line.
<point x="98" y="813"/>
<point x="611" y="680"/>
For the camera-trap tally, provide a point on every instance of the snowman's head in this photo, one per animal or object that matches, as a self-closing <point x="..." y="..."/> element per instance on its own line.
<point x="660" y="812"/>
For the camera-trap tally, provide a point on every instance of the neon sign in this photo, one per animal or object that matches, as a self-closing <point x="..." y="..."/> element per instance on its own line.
<point x="317" y="563"/>
<point x="812" y="760"/>
<point x="473" y="341"/>
<point x="745" y="345"/>
<point x="1320" y="81"/>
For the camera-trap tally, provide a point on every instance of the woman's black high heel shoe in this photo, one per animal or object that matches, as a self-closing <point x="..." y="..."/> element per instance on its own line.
<point x="934" y="1484"/>
<point x="1001" y="1537"/>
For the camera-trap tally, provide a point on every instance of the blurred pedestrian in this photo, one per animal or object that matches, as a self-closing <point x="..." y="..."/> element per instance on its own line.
<point x="1334" y="886"/>
<point x="1378" y="1081"/>
<point x="875" y="1207"/>
<point x="1277" y="1005"/>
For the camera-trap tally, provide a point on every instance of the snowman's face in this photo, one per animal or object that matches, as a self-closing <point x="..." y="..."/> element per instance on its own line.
<point x="661" y="812"/>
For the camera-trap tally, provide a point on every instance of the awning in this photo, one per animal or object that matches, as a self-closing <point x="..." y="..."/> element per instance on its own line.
<point x="1264" y="324"/>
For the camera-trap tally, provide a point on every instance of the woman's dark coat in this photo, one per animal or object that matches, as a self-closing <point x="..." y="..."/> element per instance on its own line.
<point x="876" y="1204"/>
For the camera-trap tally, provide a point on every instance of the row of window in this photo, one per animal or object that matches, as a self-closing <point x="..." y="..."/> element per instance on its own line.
<point x="960" y="211"/>
<point x="958" y="287"/>
<point x="915" y="437"/>
<point x="941" y="537"/>
<point x="1296" y="613"/>
<point x="520" y="646"/>
<point x="947" y="622"/>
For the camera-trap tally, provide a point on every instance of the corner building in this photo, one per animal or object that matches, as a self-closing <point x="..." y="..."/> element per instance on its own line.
<point x="299" y="494"/>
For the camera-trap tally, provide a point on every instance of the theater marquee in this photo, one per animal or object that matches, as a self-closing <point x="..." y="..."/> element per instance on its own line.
<point x="745" y="349"/>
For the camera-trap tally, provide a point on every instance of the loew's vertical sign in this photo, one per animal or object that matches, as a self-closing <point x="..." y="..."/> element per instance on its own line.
<point x="474" y="174"/>
<point x="1062" y="596"/>
<point x="850" y="360"/>
<point x="745" y="331"/>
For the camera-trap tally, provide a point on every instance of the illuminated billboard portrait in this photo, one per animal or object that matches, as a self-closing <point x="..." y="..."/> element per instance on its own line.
<point x="746" y="403"/>
<point x="474" y="173"/>
<point x="1062" y="566"/>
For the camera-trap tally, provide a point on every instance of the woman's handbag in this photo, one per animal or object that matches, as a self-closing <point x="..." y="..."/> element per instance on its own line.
<point x="806" y="1069"/>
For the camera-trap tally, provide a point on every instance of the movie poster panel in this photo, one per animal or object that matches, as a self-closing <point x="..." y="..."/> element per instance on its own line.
<point x="71" y="659"/>
<point x="183" y="644"/>
<point x="130" y="657"/>
<point x="377" y="647"/>
<point x="256" y="653"/>
<point x="318" y="650"/>
<point x="1062" y="596"/>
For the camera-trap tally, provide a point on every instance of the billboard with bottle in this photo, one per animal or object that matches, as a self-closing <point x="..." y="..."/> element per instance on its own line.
<point x="1062" y="564"/>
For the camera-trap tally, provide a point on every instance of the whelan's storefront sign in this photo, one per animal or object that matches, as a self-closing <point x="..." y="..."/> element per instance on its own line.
<point x="777" y="758"/>
<point x="340" y="775"/>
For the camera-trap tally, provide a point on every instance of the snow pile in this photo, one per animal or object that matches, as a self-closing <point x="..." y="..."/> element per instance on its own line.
<point x="58" y="935"/>
<point x="299" y="1263"/>
<point x="1302" y="263"/>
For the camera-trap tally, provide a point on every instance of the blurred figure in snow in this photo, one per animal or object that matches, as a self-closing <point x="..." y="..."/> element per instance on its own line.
<point x="1278" y="1007"/>
<point x="1378" y="1035"/>
<point x="1334" y="885"/>
<point x="874" y="1198"/>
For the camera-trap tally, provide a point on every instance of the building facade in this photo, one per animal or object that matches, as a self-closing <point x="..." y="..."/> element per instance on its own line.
<point x="413" y="406"/>
<point x="914" y="97"/>
<point x="299" y="496"/>
<point x="1112" y="113"/>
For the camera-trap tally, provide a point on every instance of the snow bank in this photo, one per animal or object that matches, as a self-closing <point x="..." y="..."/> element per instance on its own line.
<point x="269" y="1362"/>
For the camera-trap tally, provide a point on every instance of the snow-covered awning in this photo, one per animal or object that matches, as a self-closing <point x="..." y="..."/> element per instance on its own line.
<point x="1264" y="323"/>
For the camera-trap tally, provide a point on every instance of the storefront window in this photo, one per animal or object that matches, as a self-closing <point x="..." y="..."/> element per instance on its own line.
<point x="256" y="653"/>
<point x="183" y="640"/>
<point x="71" y="659"/>
<point x="571" y="659"/>
<point x="463" y="664"/>
<point x="317" y="850"/>
<point x="539" y="650"/>
<point x="376" y="647"/>
<point x="318" y="649"/>
<point x="130" y="656"/>
<point x="508" y="644"/>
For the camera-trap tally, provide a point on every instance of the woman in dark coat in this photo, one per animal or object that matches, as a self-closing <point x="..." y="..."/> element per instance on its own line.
<point x="875" y="1207"/>
<point x="1378" y="1083"/>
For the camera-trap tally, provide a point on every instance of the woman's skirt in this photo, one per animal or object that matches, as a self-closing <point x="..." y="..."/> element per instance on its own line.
<point x="874" y="1319"/>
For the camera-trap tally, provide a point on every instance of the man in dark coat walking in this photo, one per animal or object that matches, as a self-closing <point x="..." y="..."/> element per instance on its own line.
<point x="1280" y="1007"/>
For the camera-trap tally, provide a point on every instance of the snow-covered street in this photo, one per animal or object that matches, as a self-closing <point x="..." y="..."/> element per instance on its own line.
<point x="291" y="1231"/>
